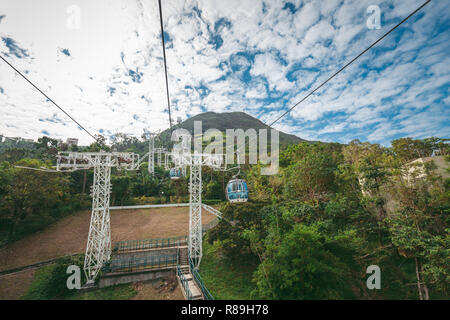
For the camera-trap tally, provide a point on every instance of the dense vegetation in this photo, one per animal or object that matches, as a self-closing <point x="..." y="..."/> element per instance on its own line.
<point x="332" y="210"/>
<point x="50" y="283"/>
<point x="308" y="232"/>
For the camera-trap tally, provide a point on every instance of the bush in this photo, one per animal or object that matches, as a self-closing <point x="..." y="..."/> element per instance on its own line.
<point x="51" y="282"/>
<point x="212" y="202"/>
<point x="146" y="200"/>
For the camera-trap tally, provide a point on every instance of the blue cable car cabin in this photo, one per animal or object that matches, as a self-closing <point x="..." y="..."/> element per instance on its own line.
<point x="237" y="191"/>
<point x="175" y="173"/>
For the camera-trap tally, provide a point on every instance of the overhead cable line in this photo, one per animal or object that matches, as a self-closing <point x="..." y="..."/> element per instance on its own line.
<point x="165" y="63"/>
<point x="42" y="169"/>
<point x="345" y="66"/>
<point x="48" y="98"/>
<point x="349" y="63"/>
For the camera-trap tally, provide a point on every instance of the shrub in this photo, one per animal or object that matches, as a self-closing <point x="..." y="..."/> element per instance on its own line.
<point x="50" y="282"/>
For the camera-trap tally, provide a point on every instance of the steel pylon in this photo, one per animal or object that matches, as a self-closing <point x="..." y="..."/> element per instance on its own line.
<point x="98" y="249"/>
<point x="195" y="210"/>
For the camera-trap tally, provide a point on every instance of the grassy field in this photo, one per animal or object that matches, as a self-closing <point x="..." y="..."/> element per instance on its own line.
<point x="69" y="236"/>
<point x="225" y="281"/>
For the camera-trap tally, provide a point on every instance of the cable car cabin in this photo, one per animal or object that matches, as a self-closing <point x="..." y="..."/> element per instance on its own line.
<point x="175" y="173"/>
<point x="237" y="190"/>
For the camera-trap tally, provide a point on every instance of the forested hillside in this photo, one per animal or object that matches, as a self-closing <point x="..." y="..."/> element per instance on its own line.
<point x="308" y="232"/>
<point x="227" y="120"/>
<point x="311" y="231"/>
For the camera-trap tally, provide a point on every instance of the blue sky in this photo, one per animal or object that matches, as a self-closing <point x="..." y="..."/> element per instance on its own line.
<point x="260" y="57"/>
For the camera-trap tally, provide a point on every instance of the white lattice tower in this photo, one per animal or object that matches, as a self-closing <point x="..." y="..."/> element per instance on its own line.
<point x="98" y="249"/>
<point x="195" y="210"/>
<point x="196" y="161"/>
<point x="166" y="161"/>
<point x="151" y="155"/>
<point x="159" y="159"/>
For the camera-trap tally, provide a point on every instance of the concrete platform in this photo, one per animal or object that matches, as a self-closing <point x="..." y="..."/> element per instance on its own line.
<point x="122" y="277"/>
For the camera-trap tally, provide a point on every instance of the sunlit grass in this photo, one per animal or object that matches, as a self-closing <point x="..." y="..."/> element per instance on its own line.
<point x="225" y="281"/>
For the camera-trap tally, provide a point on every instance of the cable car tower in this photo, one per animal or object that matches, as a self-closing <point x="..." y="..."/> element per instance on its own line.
<point x="98" y="249"/>
<point x="182" y="157"/>
<point x="159" y="154"/>
<point x="196" y="161"/>
<point x="151" y="154"/>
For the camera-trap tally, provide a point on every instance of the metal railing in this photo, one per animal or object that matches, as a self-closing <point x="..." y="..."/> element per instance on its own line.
<point x="134" y="245"/>
<point x="198" y="279"/>
<point x="184" y="283"/>
<point x="133" y="264"/>
<point x="208" y="226"/>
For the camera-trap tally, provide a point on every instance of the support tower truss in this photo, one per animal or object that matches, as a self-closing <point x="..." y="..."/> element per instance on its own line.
<point x="195" y="210"/>
<point x="196" y="161"/>
<point x="98" y="248"/>
<point x="151" y="155"/>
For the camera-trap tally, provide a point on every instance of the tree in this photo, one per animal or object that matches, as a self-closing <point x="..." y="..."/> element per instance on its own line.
<point x="99" y="144"/>
<point x="6" y="178"/>
<point x="235" y="247"/>
<point x="213" y="191"/>
<point x="302" y="266"/>
<point x="419" y="228"/>
<point x="31" y="193"/>
<point x="120" y="189"/>
<point x="123" y="142"/>
<point x="311" y="178"/>
<point x="408" y="149"/>
<point x="263" y="187"/>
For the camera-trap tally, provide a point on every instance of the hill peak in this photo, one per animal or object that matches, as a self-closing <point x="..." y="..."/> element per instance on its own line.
<point x="230" y="120"/>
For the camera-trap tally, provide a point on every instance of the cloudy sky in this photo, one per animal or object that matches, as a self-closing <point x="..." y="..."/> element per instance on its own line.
<point x="102" y="62"/>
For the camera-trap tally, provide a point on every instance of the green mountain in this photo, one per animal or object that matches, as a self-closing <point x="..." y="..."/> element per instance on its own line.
<point x="228" y="120"/>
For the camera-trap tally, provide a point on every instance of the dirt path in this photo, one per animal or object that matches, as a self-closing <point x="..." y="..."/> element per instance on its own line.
<point x="69" y="235"/>
<point x="167" y="289"/>
<point x="13" y="286"/>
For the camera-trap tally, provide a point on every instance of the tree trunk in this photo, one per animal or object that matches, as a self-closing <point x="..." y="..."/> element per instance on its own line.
<point x="418" y="280"/>
<point x="421" y="285"/>
<point x="424" y="285"/>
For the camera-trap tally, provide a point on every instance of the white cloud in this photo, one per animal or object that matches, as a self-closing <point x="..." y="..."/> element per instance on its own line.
<point x="268" y="66"/>
<point x="397" y="91"/>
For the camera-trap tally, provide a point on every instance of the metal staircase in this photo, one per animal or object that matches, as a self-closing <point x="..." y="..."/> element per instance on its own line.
<point x="190" y="281"/>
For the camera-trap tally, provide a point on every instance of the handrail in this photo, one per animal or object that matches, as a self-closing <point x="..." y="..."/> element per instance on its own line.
<point x="140" y="263"/>
<point x="131" y="245"/>
<point x="198" y="279"/>
<point x="208" y="226"/>
<point x="184" y="283"/>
